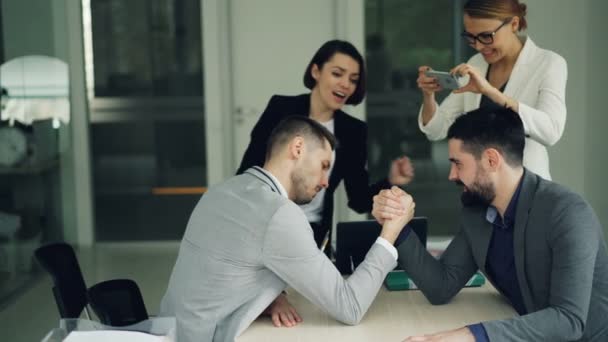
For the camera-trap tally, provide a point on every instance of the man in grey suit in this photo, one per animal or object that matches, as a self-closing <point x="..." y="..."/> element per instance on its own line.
<point x="540" y="244"/>
<point x="247" y="240"/>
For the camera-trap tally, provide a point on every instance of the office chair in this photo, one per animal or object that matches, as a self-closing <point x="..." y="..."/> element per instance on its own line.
<point x="117" y="302"/>
<point x="69" y="289"/>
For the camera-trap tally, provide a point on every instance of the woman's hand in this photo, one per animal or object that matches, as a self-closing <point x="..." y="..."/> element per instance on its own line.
<point x="401" y="171"/>
<point x="428" y="85"/>
<point x="477" y="83"/>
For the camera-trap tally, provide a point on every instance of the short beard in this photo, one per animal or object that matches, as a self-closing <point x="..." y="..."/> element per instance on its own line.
<point x="298" y="181"/>
<point x="479" y="195"/>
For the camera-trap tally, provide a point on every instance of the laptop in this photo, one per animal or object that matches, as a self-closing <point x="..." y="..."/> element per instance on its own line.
<point x="354" y="239"/>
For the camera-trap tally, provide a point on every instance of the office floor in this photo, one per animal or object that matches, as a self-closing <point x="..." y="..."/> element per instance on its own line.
<point x="32" y="314"/>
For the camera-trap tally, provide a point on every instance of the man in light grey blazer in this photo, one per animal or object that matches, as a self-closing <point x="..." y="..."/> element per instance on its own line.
<point x="247" y="240"/>
<point x="539" y="244"/>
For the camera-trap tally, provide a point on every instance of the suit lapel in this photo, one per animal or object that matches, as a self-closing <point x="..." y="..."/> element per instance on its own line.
<point x="302" y="106"/>
<point x="293" y="105"/>
<point x="339" y="122"/>
<point x="526" y="199"/>
<point x="482" y="235"/>
<point x="519" y="74"/>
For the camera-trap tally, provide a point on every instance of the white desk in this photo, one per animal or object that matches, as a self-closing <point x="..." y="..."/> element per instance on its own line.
<point x="392" y="317"/>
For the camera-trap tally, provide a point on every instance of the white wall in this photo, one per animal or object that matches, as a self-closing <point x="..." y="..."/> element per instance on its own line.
<point x="596" y="156"/>
<point x="550" y="32"/>
<point x="576" y="30"/>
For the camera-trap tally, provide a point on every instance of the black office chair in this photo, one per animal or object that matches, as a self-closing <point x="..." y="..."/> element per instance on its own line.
<point x="69" y="287"/>
<point x="117" y="302"/>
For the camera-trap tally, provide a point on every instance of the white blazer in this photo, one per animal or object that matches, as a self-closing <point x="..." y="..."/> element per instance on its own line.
<point x="538" y="83"/>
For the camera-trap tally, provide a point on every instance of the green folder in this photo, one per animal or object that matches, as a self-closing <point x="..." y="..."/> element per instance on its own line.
<point x="399" y="280"/>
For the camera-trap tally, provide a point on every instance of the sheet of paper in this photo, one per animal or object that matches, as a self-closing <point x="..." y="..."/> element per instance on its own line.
<point x="112" y="335"/>
<point x="436" y="245"/>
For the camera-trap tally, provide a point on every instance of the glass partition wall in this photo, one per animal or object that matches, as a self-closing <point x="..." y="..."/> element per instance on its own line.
<point x="145" y="78"/>
<point x="34" y="136"/>
<point x="402" y="35"/>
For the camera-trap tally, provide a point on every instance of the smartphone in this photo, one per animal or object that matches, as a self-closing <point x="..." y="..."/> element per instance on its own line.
<point x="445" y="79"/>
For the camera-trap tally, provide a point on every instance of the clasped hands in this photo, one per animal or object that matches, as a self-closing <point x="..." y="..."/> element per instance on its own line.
<point x="393" y="208"/>
<point x="393" y="203"/>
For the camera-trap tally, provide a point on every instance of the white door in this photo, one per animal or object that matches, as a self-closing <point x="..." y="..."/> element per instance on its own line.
<point x="255" y="49"/>
<point x="272" y="41"/>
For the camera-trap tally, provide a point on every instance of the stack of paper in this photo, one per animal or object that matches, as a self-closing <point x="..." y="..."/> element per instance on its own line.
<point x="112" y="335"/>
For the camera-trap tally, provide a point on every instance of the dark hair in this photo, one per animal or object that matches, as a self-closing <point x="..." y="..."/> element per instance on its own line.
<point x="298" y="125"/>
<point x="483" y="128"/>
<point x="325" y="53"/>
<point x="502" y="10"/>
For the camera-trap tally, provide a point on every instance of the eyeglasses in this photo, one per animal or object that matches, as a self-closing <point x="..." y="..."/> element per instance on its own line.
<point x="485" y="38"/>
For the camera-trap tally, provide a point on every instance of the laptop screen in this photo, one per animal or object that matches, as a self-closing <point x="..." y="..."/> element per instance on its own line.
<point x="354" y="239"/>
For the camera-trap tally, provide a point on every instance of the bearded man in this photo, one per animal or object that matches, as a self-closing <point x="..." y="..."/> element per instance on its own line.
<point x="540" y="244"/>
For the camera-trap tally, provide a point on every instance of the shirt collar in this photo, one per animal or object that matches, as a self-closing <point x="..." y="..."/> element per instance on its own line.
<point x="276" y="182"/>
<point x="509" y="219"/>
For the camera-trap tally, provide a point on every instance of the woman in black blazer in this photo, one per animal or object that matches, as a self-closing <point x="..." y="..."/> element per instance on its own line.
<point x="335" y="76"/>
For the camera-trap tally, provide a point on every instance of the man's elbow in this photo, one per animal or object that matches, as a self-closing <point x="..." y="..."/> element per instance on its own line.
<point x="438" y="299"/>
<point x="354" y="320"/>
<point x="577" y="328"/>
<point x="350" y="318"/>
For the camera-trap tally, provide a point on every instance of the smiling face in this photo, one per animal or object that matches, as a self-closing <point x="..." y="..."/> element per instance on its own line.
<point x="466" y="170"/>
<point x="311" y="172"/>
<point x="336" y="80"/>
<point x="504" y="39"/>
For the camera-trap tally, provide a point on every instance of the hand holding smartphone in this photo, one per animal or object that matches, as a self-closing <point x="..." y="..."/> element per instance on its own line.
<point x="446" y="80"/>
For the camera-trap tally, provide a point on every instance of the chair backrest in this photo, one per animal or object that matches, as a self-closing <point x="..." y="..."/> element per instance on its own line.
<point x="117" y="302"/>
<point x="70" y="291"/>
<point x="354" y="239"/>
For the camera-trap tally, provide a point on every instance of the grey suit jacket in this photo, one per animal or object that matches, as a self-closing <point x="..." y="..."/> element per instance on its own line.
<point x="560" y="257"/>
<point x="243" y="245"/>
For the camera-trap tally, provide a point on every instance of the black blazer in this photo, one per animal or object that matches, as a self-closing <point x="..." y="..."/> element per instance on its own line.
<point x="351" y="154"/>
